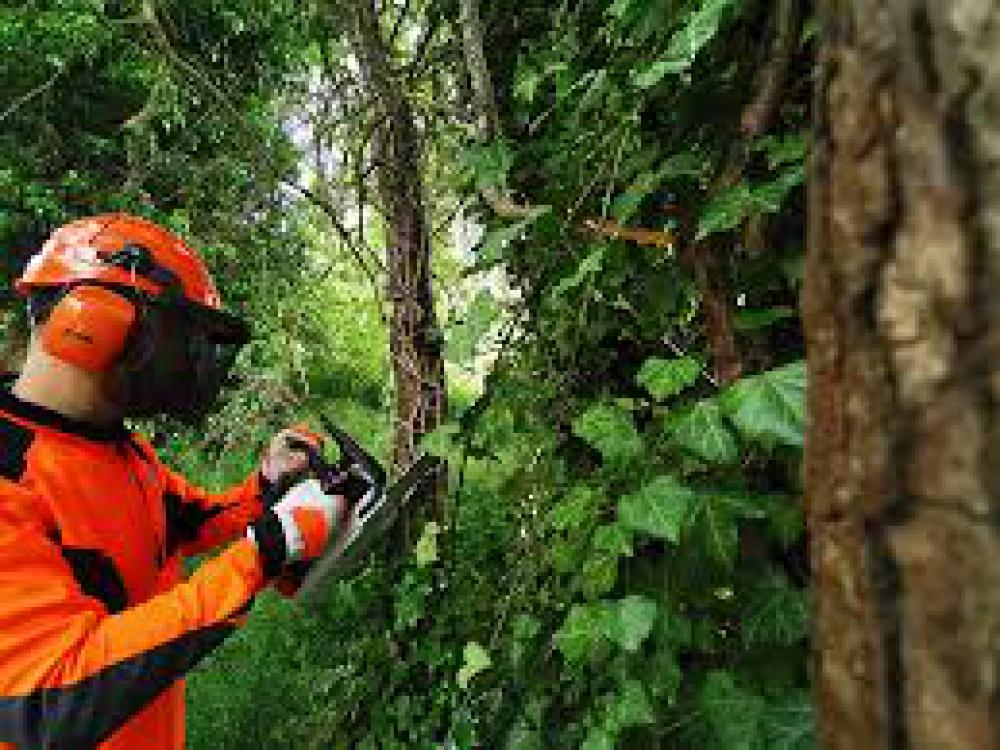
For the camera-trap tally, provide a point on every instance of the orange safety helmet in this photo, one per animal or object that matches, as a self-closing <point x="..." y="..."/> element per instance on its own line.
<point x="79" y="251"/>
<point x="134" y="299"/>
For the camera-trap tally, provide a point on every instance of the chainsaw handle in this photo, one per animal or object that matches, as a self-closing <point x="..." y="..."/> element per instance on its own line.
<point x="352" y="453"/>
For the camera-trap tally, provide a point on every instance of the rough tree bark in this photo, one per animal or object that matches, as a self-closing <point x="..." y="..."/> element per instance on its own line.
<point x="902" y="312"/>
<point x="418" y="368"/>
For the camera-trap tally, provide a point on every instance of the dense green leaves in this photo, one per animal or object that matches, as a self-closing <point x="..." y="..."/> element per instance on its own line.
<point x="685" y="43"/>
<point x="658" y="509"/>
<point x="774" y="613"/>
<point x="590" y="627"/>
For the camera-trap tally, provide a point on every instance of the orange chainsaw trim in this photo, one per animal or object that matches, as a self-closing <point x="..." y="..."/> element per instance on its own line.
<point x="314" y="529"/>
<point x="97" y="624"/>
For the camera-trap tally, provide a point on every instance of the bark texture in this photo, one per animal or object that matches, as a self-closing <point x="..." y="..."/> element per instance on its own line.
<point x="418" y="368"/>
<point x="902" y="311"/>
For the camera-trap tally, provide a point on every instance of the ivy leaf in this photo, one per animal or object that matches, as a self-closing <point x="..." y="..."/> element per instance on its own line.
<point x="582" y="632"/>
<point x="632" y="707"/>
<point x="658" y="509"/>
<point x="587" y="268"/>
<point x="770" y="407"/>
<point x="661" y="673"/>
<point x="477" y="660"/>
<point x="716" y="525"/>
<point x="703" y="433"/>
<point x="725" y="211"/>
<point x="599" y="575"/>
<point x="630" y="622"/>
<point x="577" y="509"/>
<point x="753" y="320"/>
<point x="427" y="549"/>
<point x="613" y="540"/>
<point x="610" y="430"/>
<point x="789" y="723"/>
<point x="525" y="629"/>
<point x="732" y="713"/>
<point x="774" y="613"/>
<point x="664" y="378"/>
<point x="598" y="739"/>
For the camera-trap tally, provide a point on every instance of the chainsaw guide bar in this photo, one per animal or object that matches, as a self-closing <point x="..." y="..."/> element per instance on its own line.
<point x="372" y="516"/>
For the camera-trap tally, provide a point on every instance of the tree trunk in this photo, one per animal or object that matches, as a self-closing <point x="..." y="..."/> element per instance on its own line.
<point x="414" y="335"/>
<point x="902" y="313"/>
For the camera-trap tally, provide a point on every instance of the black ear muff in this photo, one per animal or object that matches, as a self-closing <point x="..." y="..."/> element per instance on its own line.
<point x="89" y="327"/>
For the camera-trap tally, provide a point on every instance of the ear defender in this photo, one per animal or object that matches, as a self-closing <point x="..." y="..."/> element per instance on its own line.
<point x="89" y="328"/>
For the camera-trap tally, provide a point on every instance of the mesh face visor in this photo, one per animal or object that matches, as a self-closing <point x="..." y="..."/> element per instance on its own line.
<point x="216" y="340"/>
<point x="178" y="358"/>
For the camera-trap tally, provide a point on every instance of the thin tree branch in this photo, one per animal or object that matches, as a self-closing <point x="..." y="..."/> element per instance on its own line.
<point x="331" y="213"/>
<point x="758" y="115"/>
<point x="25" y="99"/>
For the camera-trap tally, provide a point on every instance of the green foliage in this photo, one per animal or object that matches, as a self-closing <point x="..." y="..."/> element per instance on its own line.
<point x="476" y="661"/>
<point x="702" y="431"/>
<point x="610" y="430"/>
<point x="770" y="407"/>
<point x="664" y="378"/>
<point x="686" y="42"/>
<point x="658" y="509"/>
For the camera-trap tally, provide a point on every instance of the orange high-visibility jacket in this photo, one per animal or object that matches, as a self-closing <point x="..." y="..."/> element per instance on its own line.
<point x="97" y="625"/>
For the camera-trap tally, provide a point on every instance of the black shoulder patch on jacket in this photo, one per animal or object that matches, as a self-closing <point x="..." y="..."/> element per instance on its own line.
<point x="184" y="520"/>
<point x="98" y="577"/>
<point x="15" y="440"/>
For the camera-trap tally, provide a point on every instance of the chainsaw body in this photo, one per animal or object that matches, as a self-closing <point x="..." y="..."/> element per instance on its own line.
<point x="373" y="507"/>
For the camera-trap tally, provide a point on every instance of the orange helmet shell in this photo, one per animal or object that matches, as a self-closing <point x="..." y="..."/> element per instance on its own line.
<point x="75" y="252"/>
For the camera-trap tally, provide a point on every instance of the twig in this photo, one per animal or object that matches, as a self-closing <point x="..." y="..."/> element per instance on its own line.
<point x="331" y="213"/>
<point x="24" y="99"/>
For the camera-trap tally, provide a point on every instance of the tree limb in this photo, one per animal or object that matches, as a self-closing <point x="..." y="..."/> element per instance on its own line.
<point x="26" y="98"/>
<point x="758" y="115"/>
<point x="348" y="239"/>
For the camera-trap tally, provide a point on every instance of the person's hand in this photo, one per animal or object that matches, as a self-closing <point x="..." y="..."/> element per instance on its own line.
<point x="299" y="527"/>
<point x="285" y="461"/>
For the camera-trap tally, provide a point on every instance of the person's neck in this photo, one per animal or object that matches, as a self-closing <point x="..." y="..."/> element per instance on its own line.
<point x="64" y="389"/>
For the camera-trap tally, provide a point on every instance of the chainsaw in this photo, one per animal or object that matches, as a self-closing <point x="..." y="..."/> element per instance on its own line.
<point x="373" y="506"/>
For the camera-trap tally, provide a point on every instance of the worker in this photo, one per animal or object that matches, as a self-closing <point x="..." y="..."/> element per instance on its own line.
<point x="98" y="625"/>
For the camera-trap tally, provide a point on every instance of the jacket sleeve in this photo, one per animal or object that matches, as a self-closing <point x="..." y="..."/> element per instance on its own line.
<point x="198" y="521"/>
<point x="70" y="672"/>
